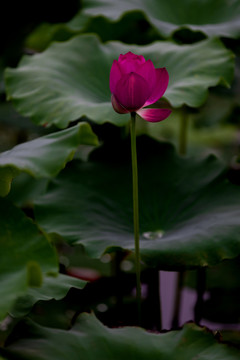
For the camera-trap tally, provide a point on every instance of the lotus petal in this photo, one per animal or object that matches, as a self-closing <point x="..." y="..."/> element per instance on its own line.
<point x="162" y="79"/>
<point x="132" y="91"/>
<point x="154" y="115"/>
<point x="115" y="75"/>
<point x="118" y="107"/>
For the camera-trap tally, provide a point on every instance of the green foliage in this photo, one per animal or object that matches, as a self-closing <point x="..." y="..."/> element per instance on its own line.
<point x="189" y="210"/>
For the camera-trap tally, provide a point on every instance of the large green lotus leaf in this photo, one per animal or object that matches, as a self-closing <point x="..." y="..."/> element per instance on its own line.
<point x="44" y="156"/>
<point x="26" y="256"/>
<point x="189" y="213"/>
<point x="89" y="339"/>
<point x="71" y="79"/>
<point x="132" y="28"/>
<point x="53" y="287"/>
<point x="212" y="17"/>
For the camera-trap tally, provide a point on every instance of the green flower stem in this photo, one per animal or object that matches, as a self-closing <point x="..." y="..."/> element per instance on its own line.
<point x="136" y="211"/>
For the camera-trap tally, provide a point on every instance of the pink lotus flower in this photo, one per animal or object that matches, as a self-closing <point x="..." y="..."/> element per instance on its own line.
<point x="135" y="83"/>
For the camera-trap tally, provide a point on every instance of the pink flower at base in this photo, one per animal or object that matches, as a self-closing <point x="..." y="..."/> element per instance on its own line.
<point x="135" y="84"/>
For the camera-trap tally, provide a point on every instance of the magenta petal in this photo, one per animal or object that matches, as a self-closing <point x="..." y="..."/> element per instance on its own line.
<point x="130" y="62"/>
<point x="148" y="72"/>
<point x="115" y="75"/>
<point x="132" y="91"/>
<point x="162" y="79"/>
<point x="154" y="115"/>
<point x="131" y="57"/>
<point x="117" y="107"/>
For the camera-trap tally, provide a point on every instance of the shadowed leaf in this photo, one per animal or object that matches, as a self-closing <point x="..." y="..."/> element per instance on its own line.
<point x="91" y="340"/>
<point x="189" y="212"/>
<point x="26" y="256"/>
